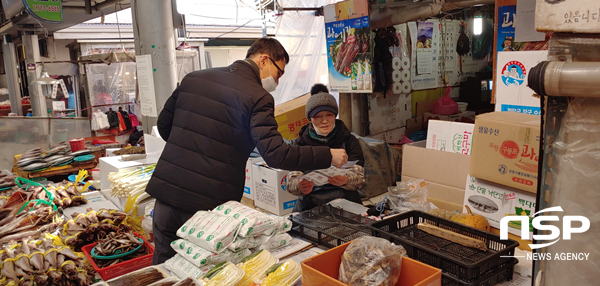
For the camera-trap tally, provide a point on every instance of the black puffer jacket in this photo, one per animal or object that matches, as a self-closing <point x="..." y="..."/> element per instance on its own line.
<point x="211" y="123"/>
<point x="342" y="139"/>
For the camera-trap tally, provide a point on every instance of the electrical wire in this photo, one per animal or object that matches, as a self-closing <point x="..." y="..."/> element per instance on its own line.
<point x="237" y="28"/>
<point x="119" y="29"/>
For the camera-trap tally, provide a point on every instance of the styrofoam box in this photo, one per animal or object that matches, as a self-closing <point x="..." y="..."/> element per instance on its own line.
<point x="249" y="186"/>
<point x="270" y="190"/>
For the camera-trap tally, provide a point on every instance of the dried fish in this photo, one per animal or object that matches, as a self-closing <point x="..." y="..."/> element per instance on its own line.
<point x="37" y="261"/>
<point x="22" y="261"/>
<point x="56" y="276"/>
<point x="8" y="269"/>
<point x="140" y="277"/>
<point x="41" y="280"/>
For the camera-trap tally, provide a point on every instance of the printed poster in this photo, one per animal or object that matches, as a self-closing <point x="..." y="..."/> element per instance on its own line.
<point x="349" y="56"/>
<point x="424" y="47"/>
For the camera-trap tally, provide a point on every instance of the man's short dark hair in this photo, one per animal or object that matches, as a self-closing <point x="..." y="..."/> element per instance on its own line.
<point x="319" y="87"/>
<point x="270" y="47"/>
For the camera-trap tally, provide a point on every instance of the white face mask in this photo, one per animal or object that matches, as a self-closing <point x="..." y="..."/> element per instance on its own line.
<point x="269" y="83"/>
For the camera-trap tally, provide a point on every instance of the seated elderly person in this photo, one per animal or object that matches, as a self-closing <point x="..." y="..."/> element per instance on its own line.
<point x="324" y="130"/>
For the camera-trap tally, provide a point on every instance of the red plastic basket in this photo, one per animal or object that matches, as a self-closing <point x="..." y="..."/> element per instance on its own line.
<point x="123" y="267"/>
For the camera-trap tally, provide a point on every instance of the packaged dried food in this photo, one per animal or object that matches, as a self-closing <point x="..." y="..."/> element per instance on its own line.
<point x="371" y="261"/>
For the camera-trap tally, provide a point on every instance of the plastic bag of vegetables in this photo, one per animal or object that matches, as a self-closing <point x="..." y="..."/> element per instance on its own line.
<point x="210" y="230"/>
<point x="282" y="274"/>
<point x="255" y="266"/>
<point x="202" y="257"/>
<point x="182" y="268"/>
<point x="253" y="222"/>
<point x="223" y="274"/>
<point x="371" y="261"/>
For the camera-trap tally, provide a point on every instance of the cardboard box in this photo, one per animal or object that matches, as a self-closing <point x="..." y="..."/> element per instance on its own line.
<point x="455" y="137"/>
<point x="413" y="125"/>
<point x="512" y="92"/>
<point x="392" y="136"/>
<point x="324" y="268"/>
<point x="579" y="16"/>
<point x="442" y="192"/>
<point x="505" y="149"/>
<point x="435" y="166"/>
<point x="388" y="113"/>
<point x="248" y="186"/>
<point x="494" y="201"/>
<point x="290" y="116"/>
<point x="466" y="117"/>
<point x="270" y="190"/>
<point x="247" y="202"/>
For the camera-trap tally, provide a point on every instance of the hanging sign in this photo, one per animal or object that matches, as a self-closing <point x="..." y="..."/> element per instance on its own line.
<point x="31" y="66"/>
<point x="48" y="11"/>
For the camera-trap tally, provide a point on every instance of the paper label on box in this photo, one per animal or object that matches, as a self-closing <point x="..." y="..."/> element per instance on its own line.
<point x="495" y="201"/>
<point x="450" y="136"/>
<point x="266" y="194"/>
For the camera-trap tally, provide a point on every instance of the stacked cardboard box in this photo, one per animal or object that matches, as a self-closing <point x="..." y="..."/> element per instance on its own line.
<point x="444" y="172"/>
<point x="388" y="116"/>
<point x="290" y="116"/>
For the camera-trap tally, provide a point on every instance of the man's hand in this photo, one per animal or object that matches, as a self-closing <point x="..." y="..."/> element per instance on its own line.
<point x="306" y="186"/>
<point x="339" y="157"/>
<point x="338" y="180"/>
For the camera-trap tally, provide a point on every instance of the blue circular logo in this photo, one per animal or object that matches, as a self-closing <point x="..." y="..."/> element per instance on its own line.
<point x="502" y="169"/>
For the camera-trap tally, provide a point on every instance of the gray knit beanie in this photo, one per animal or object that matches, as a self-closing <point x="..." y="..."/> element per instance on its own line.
<point x="321" y="102"/>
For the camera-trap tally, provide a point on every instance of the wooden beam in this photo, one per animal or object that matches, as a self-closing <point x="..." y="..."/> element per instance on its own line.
<point x="345" y="109"/>
<point x="453" y="236"/>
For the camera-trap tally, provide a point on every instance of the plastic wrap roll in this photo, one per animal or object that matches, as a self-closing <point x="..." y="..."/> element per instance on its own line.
<point x="397" y="88"/>
<point x="396" y="64"/>
<point x="397" y="76"/>
<point x="405" y="89"/>
<point x="405" y="76"/>
<point x="405" y="63"/>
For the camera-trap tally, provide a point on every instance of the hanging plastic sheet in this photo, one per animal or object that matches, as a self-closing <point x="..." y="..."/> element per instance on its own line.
<point x="574" y="187"/>
<point x="303" y="36"/>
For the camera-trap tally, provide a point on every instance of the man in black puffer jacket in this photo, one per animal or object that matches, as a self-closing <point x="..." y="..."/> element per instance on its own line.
<point x="211" y="123"/>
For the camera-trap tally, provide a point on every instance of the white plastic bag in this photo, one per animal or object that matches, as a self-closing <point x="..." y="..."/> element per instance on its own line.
<point x="148" y="217"/>
<point x="282" y="225"/>
<point x="99" y="121"/>
<point x="210" y="230"/>
<point x="253" y="222"/>
<point x="409" y="195"/>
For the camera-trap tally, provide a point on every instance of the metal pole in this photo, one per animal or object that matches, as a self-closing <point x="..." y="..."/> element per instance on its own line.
<point x="10" y="66"/>
<point x="32" y="55"/>
<point x="156" y="37"/>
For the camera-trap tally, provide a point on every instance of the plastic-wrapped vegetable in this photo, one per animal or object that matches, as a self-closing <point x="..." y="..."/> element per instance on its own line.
<point x="223" y="274"/>
<point x="182" y="268"/>
<point x="255" y="266"/>
<point x="202" y="257"/>
<point x="282" y="274"/>
<point x="282" y="225"/>
<point x="371" y="261"/>
<point x="210" y="230"/>
<point x="274" y="242"/>
<point x="253" y="222"/>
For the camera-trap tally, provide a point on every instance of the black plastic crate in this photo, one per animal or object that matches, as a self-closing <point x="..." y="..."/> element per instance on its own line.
<point x="463" y="263"/>
<point x="330" y="226"/>
<point x="500" y="274"/>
